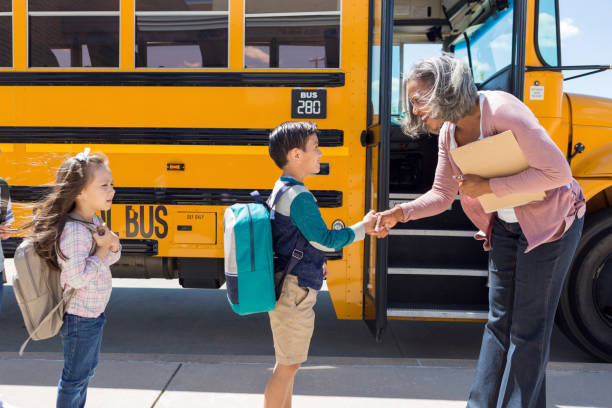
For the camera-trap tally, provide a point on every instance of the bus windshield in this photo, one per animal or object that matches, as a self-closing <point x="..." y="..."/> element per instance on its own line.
<point x="489" y="46"/>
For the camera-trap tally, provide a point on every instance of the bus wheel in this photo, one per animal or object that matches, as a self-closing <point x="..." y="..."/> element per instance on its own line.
<point x="585" y="307"/>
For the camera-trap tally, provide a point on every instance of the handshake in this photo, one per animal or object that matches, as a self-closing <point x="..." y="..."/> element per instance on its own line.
<point x="379" y="224"/>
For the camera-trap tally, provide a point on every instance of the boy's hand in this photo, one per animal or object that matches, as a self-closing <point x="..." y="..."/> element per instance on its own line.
<point x="5" y="230"/>
<point x="325" y="271"/>
<point x="369" y="221"/>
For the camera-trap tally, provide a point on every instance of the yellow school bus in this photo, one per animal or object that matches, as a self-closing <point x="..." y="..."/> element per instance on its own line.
<point x="181" y="96"/>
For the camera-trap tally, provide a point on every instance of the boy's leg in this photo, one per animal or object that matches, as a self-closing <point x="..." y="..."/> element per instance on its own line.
<point x="81" y="339"/>
<point x="292" y="323"/>
<point x="279" y="388"/>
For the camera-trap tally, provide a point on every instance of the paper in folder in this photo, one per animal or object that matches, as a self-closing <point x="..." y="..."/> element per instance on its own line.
<point x="495" y="156"/>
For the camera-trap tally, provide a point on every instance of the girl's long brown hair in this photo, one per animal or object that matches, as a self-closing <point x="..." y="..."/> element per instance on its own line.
<point x="52" y="211"/>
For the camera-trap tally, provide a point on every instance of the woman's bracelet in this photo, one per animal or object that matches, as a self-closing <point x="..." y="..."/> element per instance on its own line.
<point x="399" y="207"/>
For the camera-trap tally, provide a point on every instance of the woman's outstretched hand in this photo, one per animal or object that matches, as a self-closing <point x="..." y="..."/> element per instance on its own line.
<point x="387" y="220"/>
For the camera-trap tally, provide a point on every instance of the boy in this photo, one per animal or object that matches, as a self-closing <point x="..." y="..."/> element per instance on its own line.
<point x="294" y="147"/>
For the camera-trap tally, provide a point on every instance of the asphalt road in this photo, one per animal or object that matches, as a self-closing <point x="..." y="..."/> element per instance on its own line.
<point x="159" y="318"/>
<point x="165" y="346"/>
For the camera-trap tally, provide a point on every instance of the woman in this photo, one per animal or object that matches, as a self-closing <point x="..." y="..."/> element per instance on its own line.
<point x="530" y="246"/>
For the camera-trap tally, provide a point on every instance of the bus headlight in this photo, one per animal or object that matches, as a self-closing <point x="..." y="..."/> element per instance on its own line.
<point x="338" y="225"/>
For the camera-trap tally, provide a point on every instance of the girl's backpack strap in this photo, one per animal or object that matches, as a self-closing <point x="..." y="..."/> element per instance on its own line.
<point x="91" y="227"/>
<point x="64" y="301"/>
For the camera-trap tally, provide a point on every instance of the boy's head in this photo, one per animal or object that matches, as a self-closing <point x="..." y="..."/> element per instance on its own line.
<point x="293" y="142"/>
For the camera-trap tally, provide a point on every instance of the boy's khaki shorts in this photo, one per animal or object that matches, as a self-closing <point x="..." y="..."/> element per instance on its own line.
<point x="292" y="322"/>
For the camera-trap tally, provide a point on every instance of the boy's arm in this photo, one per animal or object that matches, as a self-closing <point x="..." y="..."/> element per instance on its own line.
<point x="306" y="215"/>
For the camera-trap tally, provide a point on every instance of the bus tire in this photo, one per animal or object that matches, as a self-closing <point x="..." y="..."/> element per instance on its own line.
<point x="579" y="315"/>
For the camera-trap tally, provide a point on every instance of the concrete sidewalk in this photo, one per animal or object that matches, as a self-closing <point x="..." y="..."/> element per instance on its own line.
<point x="136" y="381"/>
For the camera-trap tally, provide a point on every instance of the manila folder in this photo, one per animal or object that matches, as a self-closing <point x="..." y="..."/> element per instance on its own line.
<point x="495" y="156"/>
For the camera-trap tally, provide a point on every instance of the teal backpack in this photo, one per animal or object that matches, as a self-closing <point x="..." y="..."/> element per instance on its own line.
<point x="249" y="255"/>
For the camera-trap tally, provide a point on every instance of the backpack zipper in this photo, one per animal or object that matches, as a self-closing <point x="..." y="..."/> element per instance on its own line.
<point x="252" y="240"/>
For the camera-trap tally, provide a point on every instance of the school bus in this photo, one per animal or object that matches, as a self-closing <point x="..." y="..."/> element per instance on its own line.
<point x="181" y="96"/>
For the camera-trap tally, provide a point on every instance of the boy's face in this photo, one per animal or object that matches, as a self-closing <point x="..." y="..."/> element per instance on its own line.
<point x="312" y="155"/>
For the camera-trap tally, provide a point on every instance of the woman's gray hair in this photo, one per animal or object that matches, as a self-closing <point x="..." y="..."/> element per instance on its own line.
<point x="452" y="92"/>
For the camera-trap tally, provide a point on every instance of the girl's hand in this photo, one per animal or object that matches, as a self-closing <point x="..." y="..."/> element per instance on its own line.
<point x="104" y="241"/>
<point x="115" y="243"/>
<point x="473" y="186"/>
<point x="325" y="271"/>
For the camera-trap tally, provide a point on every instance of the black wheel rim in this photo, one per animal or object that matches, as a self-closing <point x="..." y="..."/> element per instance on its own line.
<point x="602" y="290"/>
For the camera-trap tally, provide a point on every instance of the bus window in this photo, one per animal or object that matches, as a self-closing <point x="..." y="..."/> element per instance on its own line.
<point x="292" y="34"/>
<point x="585" y="34"/>
<point x="547" y="39"/>
<point x="6" y="34"/>
<point x="490" y="46"/>
<point x="182" y="33"/>
<point x="65" y="33"/>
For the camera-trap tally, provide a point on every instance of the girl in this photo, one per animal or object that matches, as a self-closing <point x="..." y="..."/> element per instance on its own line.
<point x="63" y="238"/>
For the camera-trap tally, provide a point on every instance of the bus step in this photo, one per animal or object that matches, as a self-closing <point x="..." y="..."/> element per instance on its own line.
<point x="433" y="232"/>
<point x="452" y="219"/>
<point x="438" y="271"/>
<point x="437" y="289"/>
<point x="436" y="251"/>
<point x="425" y="311"/>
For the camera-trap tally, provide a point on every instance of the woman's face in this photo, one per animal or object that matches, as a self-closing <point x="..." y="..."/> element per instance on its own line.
<point x="418" y="94"/>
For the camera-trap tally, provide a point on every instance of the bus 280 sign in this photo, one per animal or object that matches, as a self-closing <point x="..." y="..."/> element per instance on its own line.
<point x="309" y="103"/>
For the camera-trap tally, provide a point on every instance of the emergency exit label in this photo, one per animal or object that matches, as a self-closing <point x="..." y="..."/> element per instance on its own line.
<point x="309" y="103"/>
<point x="536" y="93"/>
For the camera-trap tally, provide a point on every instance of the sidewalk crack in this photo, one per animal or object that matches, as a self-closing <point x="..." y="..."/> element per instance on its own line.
<point x="167" y="384"/>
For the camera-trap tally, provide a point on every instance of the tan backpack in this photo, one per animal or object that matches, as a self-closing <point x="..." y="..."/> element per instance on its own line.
<point x="39" y="292"/>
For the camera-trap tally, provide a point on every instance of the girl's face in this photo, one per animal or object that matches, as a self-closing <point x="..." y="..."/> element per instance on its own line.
<point x="99" y="192"/>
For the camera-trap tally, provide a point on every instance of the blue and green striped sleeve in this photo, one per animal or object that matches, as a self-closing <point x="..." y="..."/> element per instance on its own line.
<point x="305" y="214"/>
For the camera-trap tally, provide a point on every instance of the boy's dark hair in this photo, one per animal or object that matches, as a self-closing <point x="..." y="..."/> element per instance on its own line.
<point x="287" y="136"/>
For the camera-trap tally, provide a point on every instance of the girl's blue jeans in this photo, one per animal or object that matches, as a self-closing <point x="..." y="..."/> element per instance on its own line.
<point x="81" y="340"/>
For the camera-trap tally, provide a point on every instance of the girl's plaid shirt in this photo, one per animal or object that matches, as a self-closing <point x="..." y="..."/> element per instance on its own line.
<point x="89" y="275"/>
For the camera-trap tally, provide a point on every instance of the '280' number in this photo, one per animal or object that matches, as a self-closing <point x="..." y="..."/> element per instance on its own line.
<point x="309" y="107"/>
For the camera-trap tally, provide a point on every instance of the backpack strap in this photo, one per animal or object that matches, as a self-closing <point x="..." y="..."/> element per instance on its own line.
<point x="4" y="199"/>
<point x="298" y="251"/>
<point x="65" y="300"/>
<point x="296" y="256"/>
<point x="258" y="198"/>
<point x="91" y="227"/>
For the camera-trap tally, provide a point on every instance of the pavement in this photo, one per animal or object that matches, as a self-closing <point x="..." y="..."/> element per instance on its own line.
<point x="170" y="347"/>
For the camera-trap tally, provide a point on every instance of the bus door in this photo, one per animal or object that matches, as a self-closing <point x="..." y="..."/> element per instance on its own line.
<point x="376" y="141"/>
<point x="435" y="270"/>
